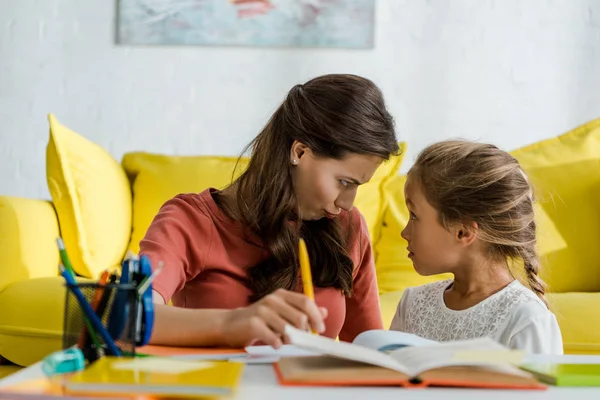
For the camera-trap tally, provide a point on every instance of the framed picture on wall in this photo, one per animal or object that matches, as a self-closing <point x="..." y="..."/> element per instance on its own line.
<point x="262" y="23"/>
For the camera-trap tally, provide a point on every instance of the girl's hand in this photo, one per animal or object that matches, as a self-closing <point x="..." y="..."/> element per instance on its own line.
<point x="266" y="319"/>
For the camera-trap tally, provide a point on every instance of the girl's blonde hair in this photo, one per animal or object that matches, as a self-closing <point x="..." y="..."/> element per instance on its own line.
<point x="475" y="182"/>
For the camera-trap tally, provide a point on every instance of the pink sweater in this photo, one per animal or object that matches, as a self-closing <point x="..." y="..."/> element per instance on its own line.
<point x="206" y="259"/>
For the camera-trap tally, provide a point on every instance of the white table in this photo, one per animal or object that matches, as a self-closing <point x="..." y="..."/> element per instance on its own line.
<point x="259" y="383"/>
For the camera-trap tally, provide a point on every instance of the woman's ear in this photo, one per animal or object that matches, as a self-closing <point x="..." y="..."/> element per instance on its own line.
<point x="297" y="151"/>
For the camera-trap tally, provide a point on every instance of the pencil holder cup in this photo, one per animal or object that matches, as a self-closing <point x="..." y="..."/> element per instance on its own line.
<point x="115" y="305"/>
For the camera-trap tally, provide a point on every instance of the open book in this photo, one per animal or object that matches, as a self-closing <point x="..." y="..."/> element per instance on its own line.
<point x="386" y="341"/>
<point x="470" y="363"/>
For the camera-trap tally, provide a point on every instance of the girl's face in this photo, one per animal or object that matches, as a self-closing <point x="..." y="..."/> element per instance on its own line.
<point x="326" y="186"/>
<point x="432" y="248"/>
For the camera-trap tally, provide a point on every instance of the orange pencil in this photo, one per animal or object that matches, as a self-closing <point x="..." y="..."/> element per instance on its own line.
<point x="96" y="299"/>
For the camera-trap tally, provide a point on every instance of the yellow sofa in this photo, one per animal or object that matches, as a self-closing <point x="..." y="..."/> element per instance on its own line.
<point x="101" y="208"/>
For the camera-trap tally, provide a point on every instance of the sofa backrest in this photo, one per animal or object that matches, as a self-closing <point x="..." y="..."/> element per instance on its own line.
<point x="28" y="232"/>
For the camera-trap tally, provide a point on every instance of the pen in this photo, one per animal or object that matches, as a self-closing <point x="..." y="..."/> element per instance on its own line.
<point x="63" y="256"/>
<point x="307" y="282"/>
<point x="103" y="303"/>
<point x="96" y="300"/>
<point x="145" y="284"/>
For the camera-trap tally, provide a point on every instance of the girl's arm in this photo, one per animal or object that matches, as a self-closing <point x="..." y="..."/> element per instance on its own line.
<point x="540" y="334"/>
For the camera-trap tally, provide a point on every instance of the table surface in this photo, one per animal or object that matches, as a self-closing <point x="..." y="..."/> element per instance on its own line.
<point x="259" y="382"/>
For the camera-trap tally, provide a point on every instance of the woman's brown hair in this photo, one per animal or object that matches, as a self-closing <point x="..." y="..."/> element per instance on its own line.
<point x="334" y="115"/>
<point x="475" y="182"/>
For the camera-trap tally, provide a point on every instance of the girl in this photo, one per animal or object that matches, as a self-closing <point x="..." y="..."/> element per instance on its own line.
<point x="471" y="213"/>
<point x="230" y="256"/>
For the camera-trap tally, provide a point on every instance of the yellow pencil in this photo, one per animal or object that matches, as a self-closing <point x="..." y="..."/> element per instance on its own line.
<point x="307" y="282"/>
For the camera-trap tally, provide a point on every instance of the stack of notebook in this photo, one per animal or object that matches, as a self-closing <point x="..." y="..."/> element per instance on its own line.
<point x="140" y="378"/>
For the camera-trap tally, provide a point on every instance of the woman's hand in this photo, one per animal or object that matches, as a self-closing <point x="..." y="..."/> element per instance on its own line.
<point x="266" y="319"/>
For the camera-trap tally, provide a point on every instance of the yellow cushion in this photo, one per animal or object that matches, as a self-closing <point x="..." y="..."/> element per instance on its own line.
<point x="31" y="319"/>
<point x="28" y="229"/>
<point x="157" y="178"/>
<point x="92" y="198"/>
<point x="370" y="199"/>
<point x="389" y="303"/>
<point x="564" y="171"/>
<point x="579" y="320"/>
<point x="395" y="270"/>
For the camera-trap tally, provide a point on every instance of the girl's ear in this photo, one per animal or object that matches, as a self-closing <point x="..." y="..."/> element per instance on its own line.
<point x="466" y="233"/>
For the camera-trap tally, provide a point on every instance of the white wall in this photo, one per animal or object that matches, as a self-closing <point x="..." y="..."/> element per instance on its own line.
<point x="507" y="71"/>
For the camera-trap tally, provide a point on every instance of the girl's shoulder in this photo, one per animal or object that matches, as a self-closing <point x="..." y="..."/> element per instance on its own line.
<point x="526" y="307"/>
<point x="521" y="295"/>
<point x="527" y="301"/>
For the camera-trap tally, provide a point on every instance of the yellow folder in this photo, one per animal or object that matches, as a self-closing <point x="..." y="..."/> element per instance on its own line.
<point x="157" y="376"/>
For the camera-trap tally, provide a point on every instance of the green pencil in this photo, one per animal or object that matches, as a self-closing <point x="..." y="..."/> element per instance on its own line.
<point x="63" y="256"/>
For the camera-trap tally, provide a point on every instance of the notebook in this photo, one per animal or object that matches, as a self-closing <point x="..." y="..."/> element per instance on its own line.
<point x="565" y="374"/>
<point x="257" y="354"/>
<point x="156" y="376"/>
<point x="481" y="363"/>
<point x="190" y="352"/>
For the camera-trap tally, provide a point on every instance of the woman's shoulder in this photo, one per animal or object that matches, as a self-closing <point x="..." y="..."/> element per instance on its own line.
<point x="187" y="202"/>
<point x="188" y="207"/>
<point x="353" y="220"/>
<point x="354" y="227"/>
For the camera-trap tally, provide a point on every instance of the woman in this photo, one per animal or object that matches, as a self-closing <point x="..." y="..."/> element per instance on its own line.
<point x="230" y="257"/>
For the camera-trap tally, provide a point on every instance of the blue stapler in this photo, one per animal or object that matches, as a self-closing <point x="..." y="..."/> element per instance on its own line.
<point x="146" y="305"/>
<point x="119" y="311"/>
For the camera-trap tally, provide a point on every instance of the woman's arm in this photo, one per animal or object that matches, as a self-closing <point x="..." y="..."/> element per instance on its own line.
<point x="178" y="227"/>
<point x="263" y="321"/>
<point x="363" y="311"/>
<point x="174" y="326"/>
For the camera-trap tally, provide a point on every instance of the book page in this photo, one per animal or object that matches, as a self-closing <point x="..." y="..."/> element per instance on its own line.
<point x="475" y="352"/>
<point x="348" y="351"/>
<point x="268" y="355"/>
<point x="287" y="350"/>
<point x="386" y="341"/>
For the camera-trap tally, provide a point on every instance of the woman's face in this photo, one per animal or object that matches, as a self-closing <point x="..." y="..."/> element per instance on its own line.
<point x="326" y="186"/>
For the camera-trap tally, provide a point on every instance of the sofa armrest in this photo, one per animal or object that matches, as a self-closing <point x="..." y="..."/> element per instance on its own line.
<point x="28" y="232"/>
<point x="579" y="319"/>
